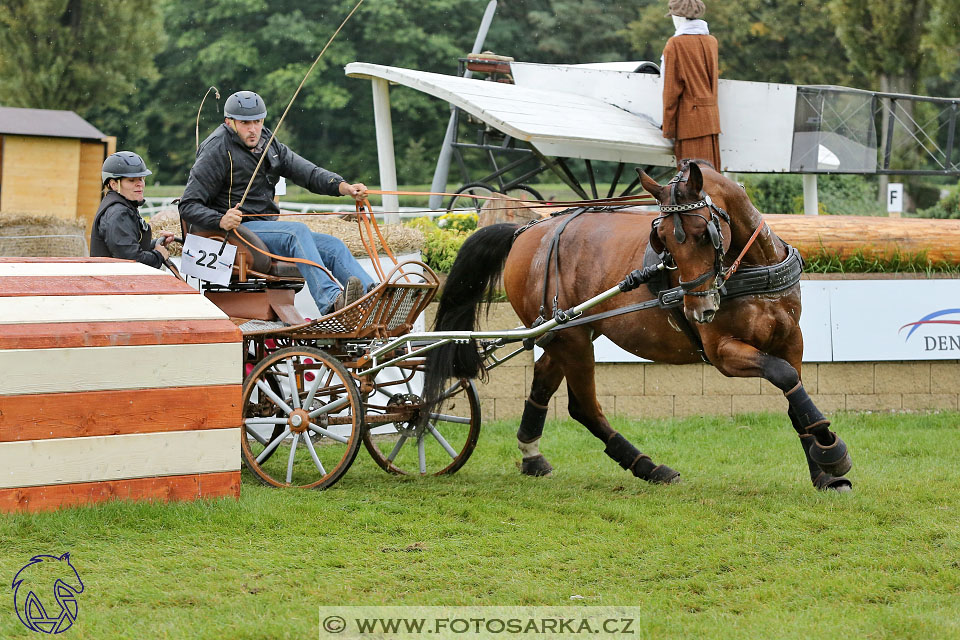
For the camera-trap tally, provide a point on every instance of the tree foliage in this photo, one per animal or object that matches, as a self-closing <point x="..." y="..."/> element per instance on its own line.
<point x="77" y="54"/>
<point x="111" y="62"/>
<point x="791" y="41"/>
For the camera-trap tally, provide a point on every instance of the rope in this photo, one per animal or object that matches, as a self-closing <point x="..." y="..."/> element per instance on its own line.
<point x="368" y="226"/>
<point x="288" y="258"/>
<point x="290" y="104"/>
<point x="216" y="93"/>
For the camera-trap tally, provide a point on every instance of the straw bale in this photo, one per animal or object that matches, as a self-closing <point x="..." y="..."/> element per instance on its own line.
<point x="40" y="235"/>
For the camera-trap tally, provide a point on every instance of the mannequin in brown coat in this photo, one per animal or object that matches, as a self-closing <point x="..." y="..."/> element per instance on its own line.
<point x="691" y="117"/>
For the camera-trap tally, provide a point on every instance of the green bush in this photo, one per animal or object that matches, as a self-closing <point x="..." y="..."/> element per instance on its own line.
<point x="441" y="245"/>
<point x="458" y="221"/>
<point x="948" y="207"/>
<point x="849" y="195"/>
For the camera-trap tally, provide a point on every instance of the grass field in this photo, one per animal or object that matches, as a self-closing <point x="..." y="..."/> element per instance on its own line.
<point x="742" y="548"/>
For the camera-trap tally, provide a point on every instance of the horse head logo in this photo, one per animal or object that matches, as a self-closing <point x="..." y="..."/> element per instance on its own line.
<point x="38" y="576"/>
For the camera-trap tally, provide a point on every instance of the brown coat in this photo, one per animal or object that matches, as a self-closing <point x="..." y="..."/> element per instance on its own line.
<point x="690" y="87"/>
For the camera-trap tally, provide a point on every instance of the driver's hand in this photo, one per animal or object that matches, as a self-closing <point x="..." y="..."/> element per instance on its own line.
<point x="357" y="191"/>
<point x="231" y="219"/>
<point x="167" y="238"/>
<point x="162" y="250"/>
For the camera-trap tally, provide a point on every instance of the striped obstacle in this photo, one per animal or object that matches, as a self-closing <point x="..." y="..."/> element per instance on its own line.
<point x="117" y="381"/>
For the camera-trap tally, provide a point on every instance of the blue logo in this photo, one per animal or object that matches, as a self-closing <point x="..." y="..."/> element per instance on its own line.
<point x="41" y="575"/>
<point x="935" y="318"/>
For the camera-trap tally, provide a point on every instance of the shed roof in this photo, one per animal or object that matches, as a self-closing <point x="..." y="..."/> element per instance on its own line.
<point x="47" y="123"/>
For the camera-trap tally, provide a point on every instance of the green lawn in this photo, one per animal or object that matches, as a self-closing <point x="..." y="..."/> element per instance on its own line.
<point x="742" y="548"/>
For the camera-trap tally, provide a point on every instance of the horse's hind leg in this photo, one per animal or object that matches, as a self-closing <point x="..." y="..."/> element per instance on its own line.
<point x="547" y="376"/>
<point x="576" y="359"/>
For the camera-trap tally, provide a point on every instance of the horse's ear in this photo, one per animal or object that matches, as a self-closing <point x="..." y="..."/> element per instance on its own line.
<point x="649" y="184"/>
<point x="694" y="180"/>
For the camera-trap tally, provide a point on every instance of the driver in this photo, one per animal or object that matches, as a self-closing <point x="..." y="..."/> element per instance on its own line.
<point x="218" y="179"/>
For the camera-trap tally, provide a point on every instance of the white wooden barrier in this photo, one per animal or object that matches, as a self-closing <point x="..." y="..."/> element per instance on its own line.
<point x="116" y="381"/>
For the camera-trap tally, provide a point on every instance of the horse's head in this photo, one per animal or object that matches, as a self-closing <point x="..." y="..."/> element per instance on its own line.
<point x="694" y="232"/>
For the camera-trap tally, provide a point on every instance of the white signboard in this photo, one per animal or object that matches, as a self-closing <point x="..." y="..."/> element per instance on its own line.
<point x="895" y="320"/>
<point x="202" y="258"/>
<point x="895" y="197"/>
<point x="866" y="320"/>
<point x="814" y="323"/>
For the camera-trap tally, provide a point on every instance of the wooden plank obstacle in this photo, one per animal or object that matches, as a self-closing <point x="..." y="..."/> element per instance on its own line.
<point x="117" y="381"/>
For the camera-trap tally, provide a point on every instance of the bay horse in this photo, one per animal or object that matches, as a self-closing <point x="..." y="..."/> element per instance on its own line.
<point x="751" y="335"/>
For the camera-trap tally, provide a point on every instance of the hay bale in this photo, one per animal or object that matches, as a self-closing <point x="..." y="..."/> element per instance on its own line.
<point x="401" y="239"/>
<point x="25" y="235"/>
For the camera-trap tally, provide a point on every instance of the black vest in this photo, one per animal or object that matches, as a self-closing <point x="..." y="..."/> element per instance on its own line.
<point x="98" y="245"/>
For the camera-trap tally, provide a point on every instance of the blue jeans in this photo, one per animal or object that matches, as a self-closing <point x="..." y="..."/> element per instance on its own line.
<point x="295" y="239"/>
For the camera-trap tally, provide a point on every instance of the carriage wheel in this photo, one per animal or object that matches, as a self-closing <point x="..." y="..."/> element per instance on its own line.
<point x="463" y="202"/>
<point x="442" y="445"/>
<point x="308" y="434"/>
<point x="523" y="192"/>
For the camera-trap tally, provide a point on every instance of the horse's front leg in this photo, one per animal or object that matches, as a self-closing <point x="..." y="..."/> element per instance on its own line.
<point x="826" y="452"/>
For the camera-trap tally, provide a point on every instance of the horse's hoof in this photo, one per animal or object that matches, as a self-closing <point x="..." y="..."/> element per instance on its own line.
<point x="826" y="482"/>
<point x="662" y="474"/>
<point x="536" y="466"/>
<point x="832" y="459"/>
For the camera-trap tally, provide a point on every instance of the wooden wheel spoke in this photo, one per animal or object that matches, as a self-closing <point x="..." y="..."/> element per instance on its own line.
<point x="326" y="432"/>
<point x="313" y="454"/>
<point x="292" y="458"/>
<point x="267" y="391"/>
<point x="443" y="442"/>
<point x="273" y="445"/>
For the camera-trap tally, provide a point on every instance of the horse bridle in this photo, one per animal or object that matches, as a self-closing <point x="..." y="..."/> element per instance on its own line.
<point x="713" y="230"/>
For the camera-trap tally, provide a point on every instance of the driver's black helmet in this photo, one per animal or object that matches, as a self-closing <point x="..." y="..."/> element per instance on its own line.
<point x="245" y="105"/>
<point x="123" y="164"/>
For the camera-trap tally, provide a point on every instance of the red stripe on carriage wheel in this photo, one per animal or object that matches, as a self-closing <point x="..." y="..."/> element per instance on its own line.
<point x="159" y="284"/>
<point x="164" y="488"/>
<point x="106" y="413"/>
<point x="66" y="335"/>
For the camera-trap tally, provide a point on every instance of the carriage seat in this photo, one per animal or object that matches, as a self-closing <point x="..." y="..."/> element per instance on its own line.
<point x="254" y="263"/>
<point x="270" y="301"/>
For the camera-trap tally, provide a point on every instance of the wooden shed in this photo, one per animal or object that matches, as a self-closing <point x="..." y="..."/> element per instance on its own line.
<point x="50" y="163"/>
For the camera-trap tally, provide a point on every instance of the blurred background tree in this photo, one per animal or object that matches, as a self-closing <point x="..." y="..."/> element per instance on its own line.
<point x="112" y="62"/>
<point x="77" y="54"/>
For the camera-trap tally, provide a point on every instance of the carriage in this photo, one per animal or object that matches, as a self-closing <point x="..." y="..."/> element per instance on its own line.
<point x="314" y="389"/>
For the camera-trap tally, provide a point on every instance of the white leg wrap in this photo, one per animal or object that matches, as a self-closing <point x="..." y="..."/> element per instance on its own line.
<point x="529" y="449"/>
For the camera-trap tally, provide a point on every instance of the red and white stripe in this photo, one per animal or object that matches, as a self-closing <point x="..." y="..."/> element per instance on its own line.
<point x="116" y="381"/>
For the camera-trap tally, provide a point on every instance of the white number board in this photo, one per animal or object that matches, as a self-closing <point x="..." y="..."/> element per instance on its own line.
<point x="202" y="259"/>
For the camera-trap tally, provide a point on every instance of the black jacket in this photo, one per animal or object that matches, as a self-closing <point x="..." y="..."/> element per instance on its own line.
<point x="223" y="169"/>
<point x="120" y="232"/>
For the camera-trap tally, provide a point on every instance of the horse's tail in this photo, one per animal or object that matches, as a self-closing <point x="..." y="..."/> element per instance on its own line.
<point x="473" y="278"/>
